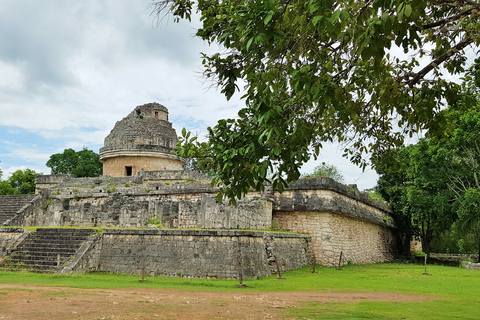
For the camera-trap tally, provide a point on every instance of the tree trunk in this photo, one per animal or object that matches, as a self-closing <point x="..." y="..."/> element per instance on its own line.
<point x="478" y="258"/>
<point x="427" y="236"/>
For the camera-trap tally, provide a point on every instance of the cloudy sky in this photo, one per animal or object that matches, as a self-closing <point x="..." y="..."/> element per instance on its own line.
<point x="70" y="69"/>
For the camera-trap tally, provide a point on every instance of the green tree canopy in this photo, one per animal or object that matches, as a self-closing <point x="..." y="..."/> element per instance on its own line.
<point x="466" y="180"/>
<point x="318" y="71"/>
<point x="6" y="188"/>
<point x="436" y="181"/>
<point x="326" y="170"/>
<point x="22" y="182"/>
<point x="83" y="163"/>
<point x="418" y="190"/>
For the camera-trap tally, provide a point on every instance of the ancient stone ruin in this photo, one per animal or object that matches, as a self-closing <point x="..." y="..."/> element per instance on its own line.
<point x="143" y="140"/>
<point x="160" y="220"/>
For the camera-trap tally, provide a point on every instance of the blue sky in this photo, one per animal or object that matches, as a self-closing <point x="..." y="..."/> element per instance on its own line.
<point x="71" y="69"/>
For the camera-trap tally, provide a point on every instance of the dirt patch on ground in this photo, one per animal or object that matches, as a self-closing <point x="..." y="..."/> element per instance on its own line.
<point x="19" y="301"/>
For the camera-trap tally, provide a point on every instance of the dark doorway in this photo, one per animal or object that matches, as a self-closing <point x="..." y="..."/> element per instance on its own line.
<point x="128" y="171"/>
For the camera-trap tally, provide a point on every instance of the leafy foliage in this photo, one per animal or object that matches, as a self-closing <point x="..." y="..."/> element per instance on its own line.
<point x="465" y="183"/>
<point x="418" y="190"/>
<point x="327" y="170"/>
<point x="20" y="182"/>
<point x="435" y="186"/>
<point x="318" y="71"/>
<point x="6" y="188"/>
<point x="373" y="194"/>
<point x="83" y="163"/>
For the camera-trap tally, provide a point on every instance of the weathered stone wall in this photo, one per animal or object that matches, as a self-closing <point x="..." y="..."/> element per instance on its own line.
<point x="148" y="179"/>
<point x="322" y="195"/>
<point x="31" y="214"/>
<point x="173" y="176"/>
<point x="115" y="166"/>
<point x="50" y="181"/>
<point x="339" y="218"/>
<point x="9" y="238"/>
<point x="359" y="240"/>
<point x="472" y="266"/>
<point x="87" y="257"/>
<point x="175" y="206"/>
<point x="201" y="253"/>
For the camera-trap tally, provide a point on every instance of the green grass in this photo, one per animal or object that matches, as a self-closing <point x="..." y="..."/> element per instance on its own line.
<point x="454" y="292"/>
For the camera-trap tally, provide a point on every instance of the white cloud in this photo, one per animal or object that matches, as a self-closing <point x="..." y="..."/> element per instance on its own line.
<point x="7" y="172"/>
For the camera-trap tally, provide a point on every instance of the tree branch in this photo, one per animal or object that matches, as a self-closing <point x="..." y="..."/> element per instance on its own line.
<point x="449" y="19"/>
<point x="435" y="63"/>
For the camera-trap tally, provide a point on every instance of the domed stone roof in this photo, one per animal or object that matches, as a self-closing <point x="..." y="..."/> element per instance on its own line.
<point x="145" y="128"/>
<point x="142" y="141"/>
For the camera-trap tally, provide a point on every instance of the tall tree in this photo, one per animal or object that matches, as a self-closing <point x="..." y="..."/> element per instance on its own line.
<point x="392" y="186"/>
<point x="83" y="163"/>
<point x="429" y="196"/>
<point x="317" y="71"/>
<point x="466" y="180"/>
<point x="418" y="190"/>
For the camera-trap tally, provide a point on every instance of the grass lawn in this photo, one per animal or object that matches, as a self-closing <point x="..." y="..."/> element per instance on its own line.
<point x="454" y="292"/>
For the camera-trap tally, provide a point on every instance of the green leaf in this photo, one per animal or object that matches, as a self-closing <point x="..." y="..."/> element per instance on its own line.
<point x="249" y="42"/>
<point x="316" y="20"/>
<point x="408" y="10"/>
<point x="269" y="17"/>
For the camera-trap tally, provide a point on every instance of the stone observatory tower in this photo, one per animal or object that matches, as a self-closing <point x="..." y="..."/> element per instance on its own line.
<point x="143" y="140"/>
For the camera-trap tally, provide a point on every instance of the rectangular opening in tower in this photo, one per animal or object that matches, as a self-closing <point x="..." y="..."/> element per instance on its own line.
<point x="128" y="171"/>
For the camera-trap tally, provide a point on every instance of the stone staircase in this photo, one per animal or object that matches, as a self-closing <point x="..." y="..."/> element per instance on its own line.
<point x="47" y="249"/>
<point x="9" y="205"/>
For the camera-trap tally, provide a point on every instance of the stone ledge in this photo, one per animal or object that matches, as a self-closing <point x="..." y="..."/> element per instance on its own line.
<point x="53" y="178"/>
<point x="138" y="152"/>
<point x="309" y="200"/>
<point x="325" y="183"/>
<point x="472" y="266"/>
<point x="9" y="230"/>
<point x="206" y="233"/>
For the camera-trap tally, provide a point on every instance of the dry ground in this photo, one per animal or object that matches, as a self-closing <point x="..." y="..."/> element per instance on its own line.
<point x="20" y="301"/>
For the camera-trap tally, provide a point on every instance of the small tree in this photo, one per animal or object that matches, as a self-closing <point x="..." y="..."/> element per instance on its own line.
<point x="326" y="170"/>
<point x="23" y="181"/>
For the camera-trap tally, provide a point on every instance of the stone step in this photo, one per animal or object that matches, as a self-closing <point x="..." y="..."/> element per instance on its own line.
<point x="49" y="256"/>
<point x="50" y="245"/>
<point x="57" y="232"/>
<point x="33" y="270"/>
<point x="59" y="240"/>
<point x="41" y="248"/>
<point x="61" y="235"/>
<point x="10" y="205"/>
<point x="37" y="263"/>
<point x="54" y="252"/>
